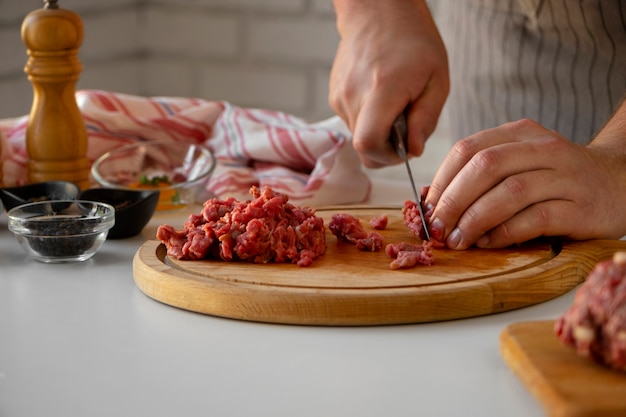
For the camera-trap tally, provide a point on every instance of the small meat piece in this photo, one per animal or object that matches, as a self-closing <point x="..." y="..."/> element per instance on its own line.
<point x="265" y="229"/>
<point x="408" y="255"/>
<point x="173" y="240"/>
<point x="373" y="242"/>
<point x="392" y="249"/>
<point x="348" y="228"/>
<point x="595" y="324"/>
<point x="379" y="222"/>
<point x="413" y="221"/>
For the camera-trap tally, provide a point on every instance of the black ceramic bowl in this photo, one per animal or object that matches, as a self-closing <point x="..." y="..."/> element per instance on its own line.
<point x="133" y="208"/>
<point x="42" y="191"/>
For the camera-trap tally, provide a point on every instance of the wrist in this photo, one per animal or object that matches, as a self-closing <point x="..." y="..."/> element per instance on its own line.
<point x="349" y="11"/>
<point x="612" y="137"/>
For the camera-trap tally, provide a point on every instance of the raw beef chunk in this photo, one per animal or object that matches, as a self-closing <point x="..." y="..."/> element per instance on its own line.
<point x="408" y="255"/>
<point x="412" y="220"/>
<point x="348" y="228"/>
<point x="595" y="324"/>
<point x="379" y="222"/>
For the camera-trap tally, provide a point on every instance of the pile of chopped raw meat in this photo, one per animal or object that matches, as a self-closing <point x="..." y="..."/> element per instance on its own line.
<point x="595" y="324"/>
<point x="266" y="229"/>
<point x="270" y="229"/>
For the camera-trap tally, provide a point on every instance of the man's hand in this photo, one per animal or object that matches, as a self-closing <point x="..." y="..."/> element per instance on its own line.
<point x="390" y="58"/>
<point x="520" y="181"/>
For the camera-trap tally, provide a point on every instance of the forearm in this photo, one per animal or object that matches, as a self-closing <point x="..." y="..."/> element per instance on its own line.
<point x="609" y="146"/>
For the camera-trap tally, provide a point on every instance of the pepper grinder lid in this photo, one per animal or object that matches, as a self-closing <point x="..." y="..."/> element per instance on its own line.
<point x="52" y="29"/>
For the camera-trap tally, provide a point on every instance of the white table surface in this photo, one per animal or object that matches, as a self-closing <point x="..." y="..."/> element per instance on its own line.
<point x="82" y="340"/>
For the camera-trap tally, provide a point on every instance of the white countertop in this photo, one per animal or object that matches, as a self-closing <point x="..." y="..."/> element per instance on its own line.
<point x="82" y="340"/>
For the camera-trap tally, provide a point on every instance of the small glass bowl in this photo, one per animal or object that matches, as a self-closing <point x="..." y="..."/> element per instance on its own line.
<point x="61" y="230"/>
<point x="177" y="170"/>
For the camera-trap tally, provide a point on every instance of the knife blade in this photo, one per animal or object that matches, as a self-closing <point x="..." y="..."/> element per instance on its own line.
<point x="399" y="140"/>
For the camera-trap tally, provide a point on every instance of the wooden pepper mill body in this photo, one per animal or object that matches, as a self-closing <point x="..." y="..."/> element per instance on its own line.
<point x="56" y="136"/>
<point x="1" y="166"/>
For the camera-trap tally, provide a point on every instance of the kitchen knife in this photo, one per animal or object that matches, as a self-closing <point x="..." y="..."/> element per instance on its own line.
<point x="399" y="141"/>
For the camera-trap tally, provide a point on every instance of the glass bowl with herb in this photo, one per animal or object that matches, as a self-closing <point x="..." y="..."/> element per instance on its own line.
<point x="179" y="171"/>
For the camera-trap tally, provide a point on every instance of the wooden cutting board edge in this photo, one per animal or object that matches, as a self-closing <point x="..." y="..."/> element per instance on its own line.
<point x="531" y="377"/>
<point x="345" y="307"/>
<point x="564" y="383"/>
<point x="567" y="269"/>
<point x="293" y="305"/>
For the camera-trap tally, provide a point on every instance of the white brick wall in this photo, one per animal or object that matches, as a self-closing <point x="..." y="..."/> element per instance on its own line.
<point x="273" y="54"/>
<point x="180" y="32"/>
<point x="257" y="53"/>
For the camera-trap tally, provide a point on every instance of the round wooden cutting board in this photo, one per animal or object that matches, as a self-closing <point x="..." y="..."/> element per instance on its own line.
<point x="349" y="287"/>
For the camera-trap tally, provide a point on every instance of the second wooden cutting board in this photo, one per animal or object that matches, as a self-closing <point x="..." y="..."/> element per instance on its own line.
<point x="566" y="384"/>
<point x="349" y="287"/>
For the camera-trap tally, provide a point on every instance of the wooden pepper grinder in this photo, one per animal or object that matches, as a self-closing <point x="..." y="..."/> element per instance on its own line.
<point x="56" y="136"/>
<point x="1" y="168"/>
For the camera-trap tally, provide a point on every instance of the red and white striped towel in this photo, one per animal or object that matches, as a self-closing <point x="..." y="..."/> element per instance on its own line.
<point x="314" y="164"/>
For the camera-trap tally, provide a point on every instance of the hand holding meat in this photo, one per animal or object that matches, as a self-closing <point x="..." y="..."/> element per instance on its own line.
<point x="390" y="56"/>
<point x="520" y="181"/>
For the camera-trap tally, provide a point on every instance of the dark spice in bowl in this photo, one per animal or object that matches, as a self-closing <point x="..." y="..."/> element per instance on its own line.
<point x="62" y="237"/>
<point x="61" y="231"/>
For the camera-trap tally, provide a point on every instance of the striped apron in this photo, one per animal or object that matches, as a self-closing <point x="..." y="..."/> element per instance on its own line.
<point x="559" y="62"/>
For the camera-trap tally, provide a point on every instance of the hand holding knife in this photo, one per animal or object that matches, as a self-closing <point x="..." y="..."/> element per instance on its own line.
<point x="399" y="141"/>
